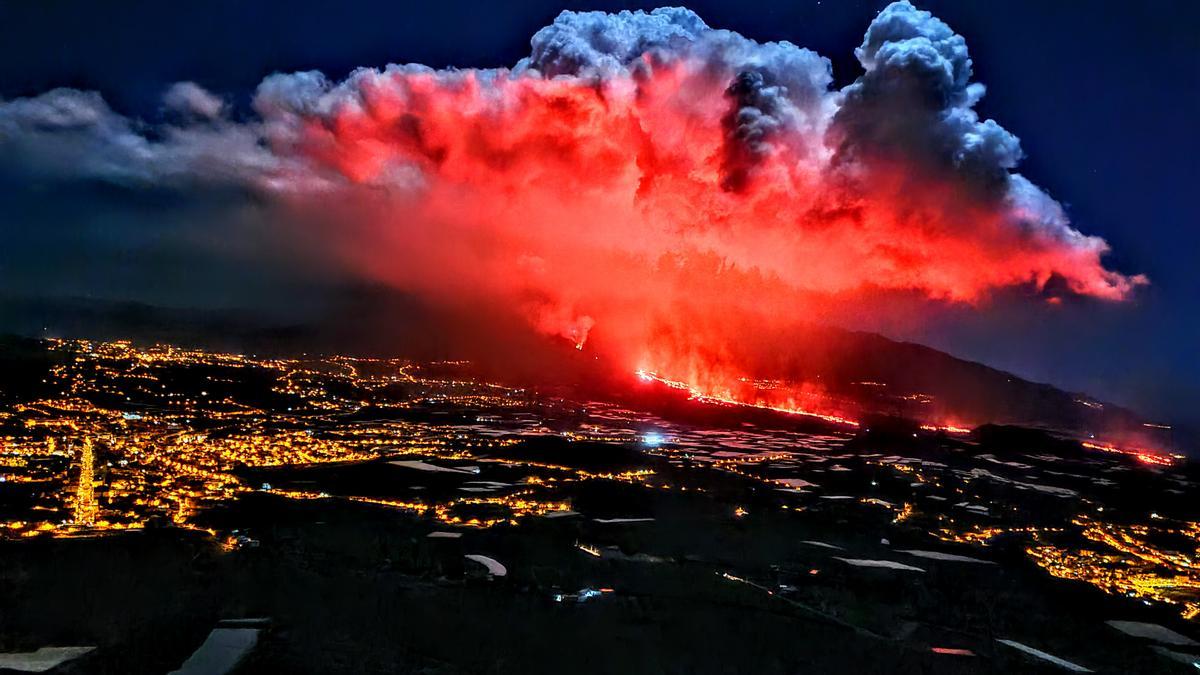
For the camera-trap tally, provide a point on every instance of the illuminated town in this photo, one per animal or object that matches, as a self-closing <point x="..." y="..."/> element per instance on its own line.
<point x="119" y="448"/>
<point x="122" y="440"/>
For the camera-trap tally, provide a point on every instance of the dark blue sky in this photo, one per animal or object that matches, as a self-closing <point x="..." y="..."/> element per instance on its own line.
<point x="1104" y="96"/>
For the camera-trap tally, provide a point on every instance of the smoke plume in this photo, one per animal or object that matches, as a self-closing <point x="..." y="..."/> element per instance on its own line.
<point x="641" y="185"/>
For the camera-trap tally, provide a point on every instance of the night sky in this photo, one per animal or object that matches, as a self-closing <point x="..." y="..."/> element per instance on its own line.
<point x="1104" y="97"/>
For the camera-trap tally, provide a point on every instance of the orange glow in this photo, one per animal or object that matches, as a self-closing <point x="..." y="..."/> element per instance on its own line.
<point x="1144" y="456"/>
<point x="726" y="397"/>
<point x="952" y="651"/>
<point x="948" y="429"/>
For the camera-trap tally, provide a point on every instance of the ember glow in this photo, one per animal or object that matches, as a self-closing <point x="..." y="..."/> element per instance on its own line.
<point x="948" y="428"/>
<point x="661" y="194"/>
<point x="748" y="395"/>
<point x="1148" y="457"/>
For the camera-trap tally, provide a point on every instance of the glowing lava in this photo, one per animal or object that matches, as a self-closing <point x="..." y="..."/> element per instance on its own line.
<point x="947" y="429"/>
<point x="1141" y="455"/>
<point x="725" y="398"/>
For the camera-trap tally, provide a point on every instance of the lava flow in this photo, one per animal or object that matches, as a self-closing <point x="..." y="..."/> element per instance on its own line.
<point x="946" y="428"/>
<point x="728" y="398"/>
<point x="1149" y="457"/>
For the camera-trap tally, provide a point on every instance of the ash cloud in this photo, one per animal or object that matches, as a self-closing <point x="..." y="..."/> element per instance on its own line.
<point x="74" y="135"/>
<point x="915" y="103"/>
<point x="598" y="44"/>
<point x="190" y="100"/>
<point x="750" y="126"/>
<point x="635" y="182"/>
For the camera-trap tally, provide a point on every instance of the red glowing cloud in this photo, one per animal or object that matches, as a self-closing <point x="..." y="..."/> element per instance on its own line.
<point x="551" y="170"/>
<point x="612" y="195"/>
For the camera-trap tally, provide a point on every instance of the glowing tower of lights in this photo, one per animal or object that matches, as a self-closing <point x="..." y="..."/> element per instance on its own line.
<point x="85" y="493"/>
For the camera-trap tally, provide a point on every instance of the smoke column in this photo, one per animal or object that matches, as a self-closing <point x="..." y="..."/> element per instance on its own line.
<point x="670" y="196"/>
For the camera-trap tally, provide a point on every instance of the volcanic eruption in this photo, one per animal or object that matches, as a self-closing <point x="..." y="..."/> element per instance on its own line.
<point x="675" y="199"/>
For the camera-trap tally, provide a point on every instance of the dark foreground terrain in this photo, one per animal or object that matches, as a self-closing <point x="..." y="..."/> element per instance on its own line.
<point x="359" y="589"/>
